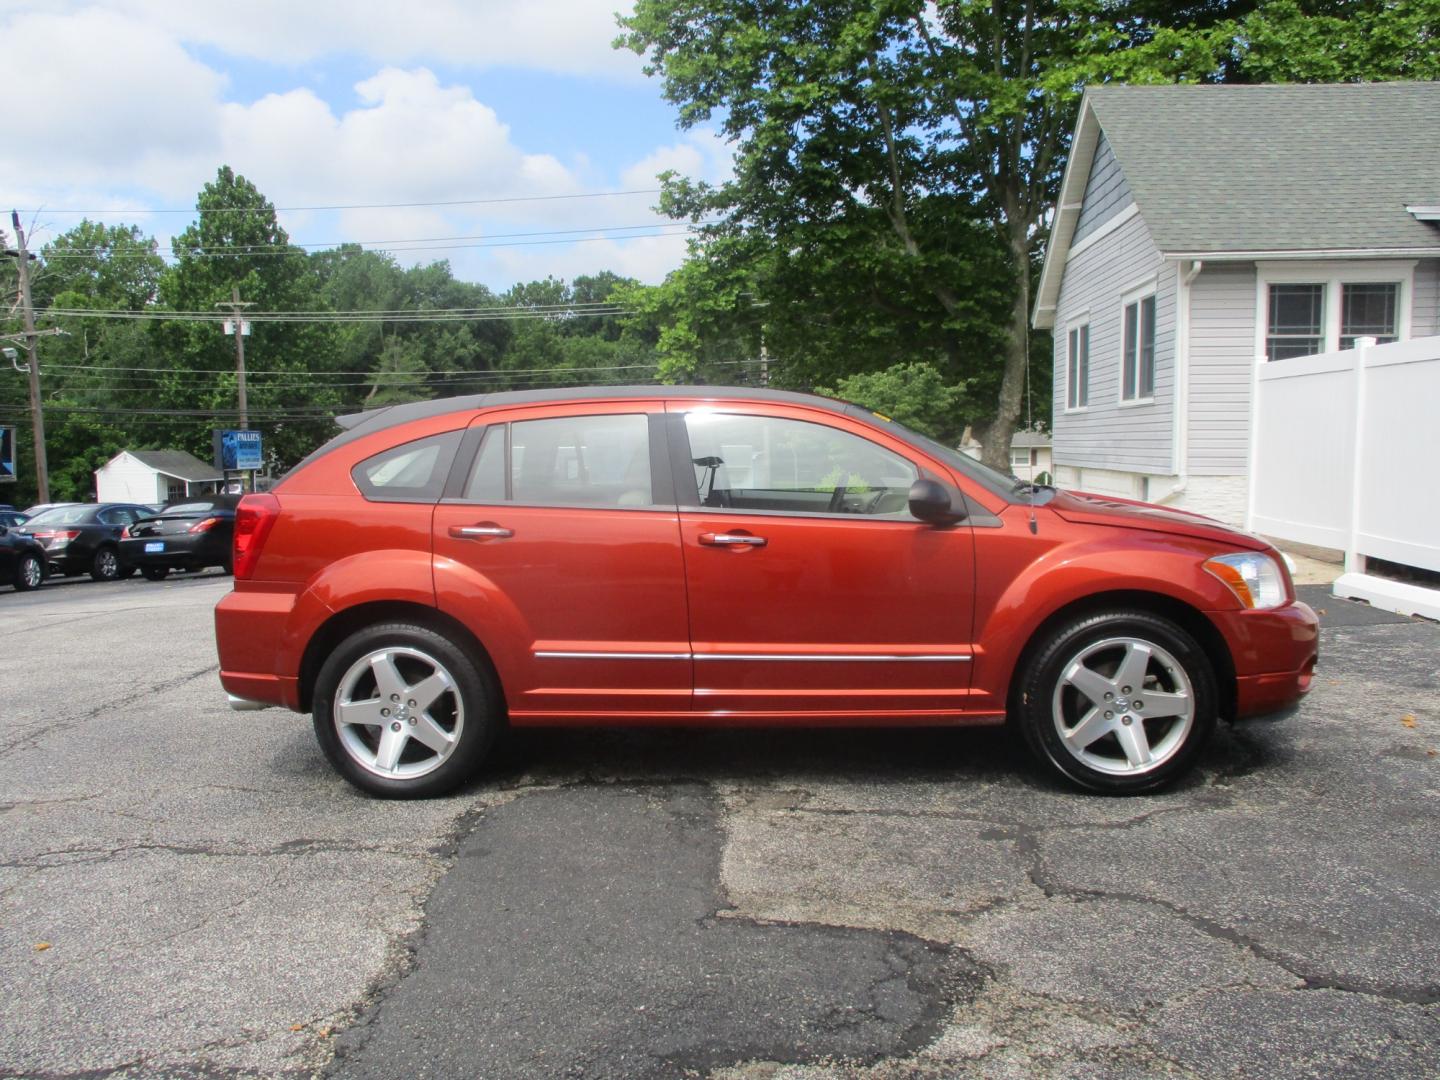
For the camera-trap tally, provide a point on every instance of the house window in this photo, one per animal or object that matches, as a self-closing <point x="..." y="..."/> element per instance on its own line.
<point x="1138" y="361"/>
<point x="1368" y="309"/>
<point x="1019" y="457"/>
<point x="1077" y="367"/>
<point x="1310" y="308"/>
<point x="1297" y="321"/>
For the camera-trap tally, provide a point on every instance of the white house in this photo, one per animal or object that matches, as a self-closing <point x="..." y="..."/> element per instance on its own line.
<point x="1030" y="454"/>
<point x="1203" y="230"/>
<point x="154" y="476"/>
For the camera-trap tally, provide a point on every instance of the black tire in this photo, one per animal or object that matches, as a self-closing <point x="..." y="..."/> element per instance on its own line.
<point x="29" y="573"/>
<point x="470" y="711"/>
<point x="106" y="565"/>
<point x="155" y="573"/>
<point x="1177" y="675"/>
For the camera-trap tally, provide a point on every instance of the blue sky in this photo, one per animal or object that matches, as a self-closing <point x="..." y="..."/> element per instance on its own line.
<point x="131" y="105"/>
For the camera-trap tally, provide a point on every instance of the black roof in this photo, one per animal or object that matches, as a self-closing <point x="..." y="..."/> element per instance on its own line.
<point x="373" y="420"/>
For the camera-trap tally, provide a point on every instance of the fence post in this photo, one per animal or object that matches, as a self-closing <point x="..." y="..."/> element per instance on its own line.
<point x="1354" y="561"/>
<point x="1252" y="452"/>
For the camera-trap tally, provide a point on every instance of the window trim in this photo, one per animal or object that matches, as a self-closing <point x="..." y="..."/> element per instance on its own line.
<point x="1332" y="274"/>
<point x="1074" y="326"/>
<point x="1135" y="297"/>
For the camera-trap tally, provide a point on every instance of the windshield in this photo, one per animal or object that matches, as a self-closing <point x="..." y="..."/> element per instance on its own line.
<point x="1001" y="484"/>
<point x="62" y="515"/>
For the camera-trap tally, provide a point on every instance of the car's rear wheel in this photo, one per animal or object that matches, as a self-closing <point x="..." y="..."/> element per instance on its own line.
<point x="155" y="573"/>
<point x="1118" y="702"/>
<point x="403" y="712"/>
<point x="30" y="573"/>
<point x="106" y="565"/>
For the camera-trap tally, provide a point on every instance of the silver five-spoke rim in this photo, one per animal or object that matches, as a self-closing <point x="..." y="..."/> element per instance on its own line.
<point x="398" y="712"/>
<point x="1123" y="706"/>
<point x="34" y="573"/>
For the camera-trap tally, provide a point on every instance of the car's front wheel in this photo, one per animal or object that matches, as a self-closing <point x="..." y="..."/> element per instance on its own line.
<point x="1118" y="702"/>
<point x="403" y="712"/>
<point x="30" y="573"/>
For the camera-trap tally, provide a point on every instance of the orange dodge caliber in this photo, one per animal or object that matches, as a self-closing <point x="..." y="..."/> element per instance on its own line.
<point x="720" y="557"/>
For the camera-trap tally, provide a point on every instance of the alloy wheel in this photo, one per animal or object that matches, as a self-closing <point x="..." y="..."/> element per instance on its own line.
<point x="1123" y="706"/>
<point x="398" y="712"/>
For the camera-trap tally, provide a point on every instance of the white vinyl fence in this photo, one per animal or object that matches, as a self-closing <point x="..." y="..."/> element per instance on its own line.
<point x="1343" y="454"/>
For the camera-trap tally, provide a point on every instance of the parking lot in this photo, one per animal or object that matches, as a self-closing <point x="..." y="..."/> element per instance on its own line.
<point x="190" y="891"/>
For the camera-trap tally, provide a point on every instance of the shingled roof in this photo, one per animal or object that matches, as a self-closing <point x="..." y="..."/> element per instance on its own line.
<point x="177" y="463"/>
<point x="1263" y="171"/>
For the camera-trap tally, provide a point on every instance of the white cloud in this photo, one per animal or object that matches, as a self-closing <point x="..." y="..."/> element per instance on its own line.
<point x="98" y="87"/>
<point x="702" y="154"/>
<point x="116" y="113"/>
<point x="567" y="36"/>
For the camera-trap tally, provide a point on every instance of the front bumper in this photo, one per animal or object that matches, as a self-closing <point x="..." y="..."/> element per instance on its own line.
<point x="1274" y="653"/>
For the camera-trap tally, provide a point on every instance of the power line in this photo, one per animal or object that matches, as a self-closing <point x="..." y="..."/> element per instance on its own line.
<point x="86" y="253"/>
<point x="436" y="315"/>
<point x="355" y="206"/>
<point x="564" y="236"/>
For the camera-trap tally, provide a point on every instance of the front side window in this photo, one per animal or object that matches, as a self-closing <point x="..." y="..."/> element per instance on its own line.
<point x="1297" y="321"/>
<point x="1138" y="357"/>
<point x="793" y="466"/>
<point x="1077" y="367"/>
<point x="565" y="461"/>
<point x="1369" y="309"/>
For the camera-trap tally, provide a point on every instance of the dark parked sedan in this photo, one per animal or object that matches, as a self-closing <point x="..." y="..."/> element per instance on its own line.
<point x="22" y="560"/>
<point x="189" y="535"/>
<point x="85" y="538"/>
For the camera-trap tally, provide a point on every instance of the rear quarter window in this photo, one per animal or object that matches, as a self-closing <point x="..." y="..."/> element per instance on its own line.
<point x="411" y="472"/>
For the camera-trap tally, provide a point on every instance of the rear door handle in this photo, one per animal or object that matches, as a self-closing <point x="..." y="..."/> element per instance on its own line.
<point x="731" y="540"/>
<point x="480" y="532"/>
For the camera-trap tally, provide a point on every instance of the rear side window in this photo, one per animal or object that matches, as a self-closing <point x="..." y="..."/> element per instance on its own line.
<point x="411" y="472"/>
<point x="566" y="461"/>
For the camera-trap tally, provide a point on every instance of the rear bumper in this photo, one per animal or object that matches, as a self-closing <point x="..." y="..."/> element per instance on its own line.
<point x="1274" y="653"/>
<point x="250" y="628"/>
<point x="179" y="551"/>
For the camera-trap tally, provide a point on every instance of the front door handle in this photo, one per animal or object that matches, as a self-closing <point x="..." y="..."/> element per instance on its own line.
<point x="480" y="532"/>
<point x="731" y="540"/>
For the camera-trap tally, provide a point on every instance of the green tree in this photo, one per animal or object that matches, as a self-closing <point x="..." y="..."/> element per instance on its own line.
<point x="914" y="394"/>
<point x="236" y="242"/>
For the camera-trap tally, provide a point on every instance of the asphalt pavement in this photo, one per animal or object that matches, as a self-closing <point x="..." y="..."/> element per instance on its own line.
<point x="188" y="891"/>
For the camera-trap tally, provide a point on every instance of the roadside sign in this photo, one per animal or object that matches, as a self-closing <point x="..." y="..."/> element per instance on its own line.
<point x="7" y="455"/>
<point x="238" y="450"/>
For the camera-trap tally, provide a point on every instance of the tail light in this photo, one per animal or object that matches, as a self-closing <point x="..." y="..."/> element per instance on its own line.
<point x="57" y="534"/>
<point x="125" y="532"/>
<point x="204" y="526"/>
<point x="254" y="518"/>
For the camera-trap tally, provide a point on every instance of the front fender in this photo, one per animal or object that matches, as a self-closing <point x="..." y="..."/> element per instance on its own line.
<point x="1162" y="565"/>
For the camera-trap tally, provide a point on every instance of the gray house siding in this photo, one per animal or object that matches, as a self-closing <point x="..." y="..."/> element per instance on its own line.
<point x="1108" y="435"/>
<point x="1106" y="192"/>
<point x="1425" y="310"/>
<point x="1222" y="355"/>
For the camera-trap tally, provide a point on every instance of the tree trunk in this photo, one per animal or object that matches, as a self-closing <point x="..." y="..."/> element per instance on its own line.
<point x="996" y="452"/>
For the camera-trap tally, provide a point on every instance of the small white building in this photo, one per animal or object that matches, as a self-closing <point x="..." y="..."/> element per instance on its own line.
<point x="154" y="476"/>
<point x="1030" y="455"/>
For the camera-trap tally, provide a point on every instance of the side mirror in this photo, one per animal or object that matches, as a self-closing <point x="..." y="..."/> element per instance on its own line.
<point x="930" y="502"/>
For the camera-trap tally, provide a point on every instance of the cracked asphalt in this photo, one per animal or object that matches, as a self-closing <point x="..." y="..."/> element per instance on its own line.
<point x="187" y="891"/>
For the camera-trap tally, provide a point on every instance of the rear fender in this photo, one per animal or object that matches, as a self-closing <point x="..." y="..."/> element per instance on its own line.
<point x="476" y="602"/>
<point x="366" y="577"/>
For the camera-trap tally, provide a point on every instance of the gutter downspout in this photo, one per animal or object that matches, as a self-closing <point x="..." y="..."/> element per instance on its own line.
<point x="1180" y="438"/>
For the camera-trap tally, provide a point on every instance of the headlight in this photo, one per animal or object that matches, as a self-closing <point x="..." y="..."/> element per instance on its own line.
<point x="1255" y="578"/>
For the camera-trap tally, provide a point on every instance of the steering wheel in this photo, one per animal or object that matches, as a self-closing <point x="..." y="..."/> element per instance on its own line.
<point x="837" y="499"/>
<point x="872" y="506"/>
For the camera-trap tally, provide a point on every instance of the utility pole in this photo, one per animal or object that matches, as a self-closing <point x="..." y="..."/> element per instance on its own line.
<point x="37" y="415"/>
<point x="240" y="328"/>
